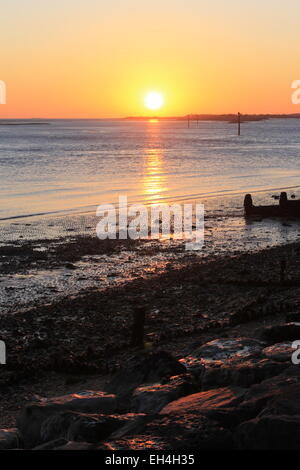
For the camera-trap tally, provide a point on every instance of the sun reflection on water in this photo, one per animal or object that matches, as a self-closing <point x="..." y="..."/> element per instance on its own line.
<point x="154" y="180"/>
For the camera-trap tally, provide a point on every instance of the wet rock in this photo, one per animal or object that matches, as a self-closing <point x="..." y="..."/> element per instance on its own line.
<point x="185" y="431"/>
<point x="96" y="428"/>
<point x="281" y="352"/>
<point x="217" y="362"/>
<point x="220" y="404"/>
<point x="145" y="368"/>
<point x="9" y="439"/>
<point x="133" y="427"/>
<point x="282" y="332"/>
<point x="241" y="374"/>
<point x="32" y="417"/>
<point x="277" y="393"/>
<point x="225" y="349"/>
<point x="152" y="398"/>
<point x="269" y="432"/>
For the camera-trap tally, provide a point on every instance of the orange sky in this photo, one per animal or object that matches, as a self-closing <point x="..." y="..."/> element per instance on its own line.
<point x="90" y="58"/>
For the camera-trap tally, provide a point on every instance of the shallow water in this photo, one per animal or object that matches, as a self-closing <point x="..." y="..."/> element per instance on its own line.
<point x="67" y="168"/>
<point x="73" y="166"/>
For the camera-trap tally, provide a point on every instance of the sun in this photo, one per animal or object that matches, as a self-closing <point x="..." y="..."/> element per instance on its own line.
<point x="154" y="100"/>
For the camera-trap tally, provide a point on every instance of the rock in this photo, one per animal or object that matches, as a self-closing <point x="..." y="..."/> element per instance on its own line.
<point x="282" y="332"/>
<point x="152" y="398"/>
<point x="92" y="428"/>
<point x="145" y="368"/>
<point x="76" y="446"/>
<point x="31" y="418"/>
<point x="280" y="352"/>
<point x="51" y="445"/>
<point x="240" y="374"/>
<point x="133" y="427"/>
<point x="270" y="433"/>
<point x="9" y="439"/>
<point x="293" y="317"/>
<point x="273" y="396"/>
<point x="220" y="404"/>
<point x="96" y="428"/>
<point x="222" y="350"/>
<point x="172" y="432"/>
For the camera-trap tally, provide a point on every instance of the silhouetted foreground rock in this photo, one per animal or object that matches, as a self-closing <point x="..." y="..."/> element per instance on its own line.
<point x="145" y="368"/>
<point x="152" y="398"/>
<point x="270" y="432"/>
<point x="176" y="432"/>
<point x="9" y="439"/>
<point x="226" y="394"/>
<point x="33" y="416"/>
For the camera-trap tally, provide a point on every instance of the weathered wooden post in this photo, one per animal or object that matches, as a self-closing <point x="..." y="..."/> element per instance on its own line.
<point x="283" y="200"/>
<point x="282" y="269"/>
<point x="248" y="204"/>
<point x="239" y="123"/>
<point x="137" y="332"/>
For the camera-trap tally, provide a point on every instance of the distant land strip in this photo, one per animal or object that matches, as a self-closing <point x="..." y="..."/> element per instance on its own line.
<point x="231" y="118"/>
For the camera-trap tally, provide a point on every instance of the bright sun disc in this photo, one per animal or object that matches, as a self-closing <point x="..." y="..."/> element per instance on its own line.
<point x="154" y="100"/>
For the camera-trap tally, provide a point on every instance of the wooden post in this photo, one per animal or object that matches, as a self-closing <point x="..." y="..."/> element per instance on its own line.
<point x="248" y="204"/>
<point x="137" y="333"/>
<point x="188" y="121"/>
<point x="282" y="269"/>
<point x="239" y="123"/>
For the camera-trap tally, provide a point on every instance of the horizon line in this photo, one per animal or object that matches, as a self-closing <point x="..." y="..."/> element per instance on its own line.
<point x="185" y="116"/>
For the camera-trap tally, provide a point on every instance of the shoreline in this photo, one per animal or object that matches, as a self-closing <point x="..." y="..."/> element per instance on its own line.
<point x="88" y="334"/>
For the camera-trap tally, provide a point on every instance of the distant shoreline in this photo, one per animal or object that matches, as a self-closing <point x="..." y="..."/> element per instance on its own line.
<point x="23" y="123"/>
<point x="193" y="117"/>
<point x="231" y="118"/>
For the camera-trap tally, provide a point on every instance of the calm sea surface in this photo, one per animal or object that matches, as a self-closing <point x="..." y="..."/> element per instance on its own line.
<point x="71" y="166"/>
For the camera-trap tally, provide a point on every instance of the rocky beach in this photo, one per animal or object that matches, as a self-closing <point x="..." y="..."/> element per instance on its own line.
<point x="215" y="370"/>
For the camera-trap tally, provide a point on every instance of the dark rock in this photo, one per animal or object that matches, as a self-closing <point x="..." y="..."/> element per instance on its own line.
<point x="92" y="428"/>
<point x="172" y="432"/>
<point x="220" y="404"/>
<point x="76" y="446"/>
<point x="96" y="428"/>
<point x="280" y="352"/>
<point x="293" y="317"/>
<point x="70" y="266"/>
<point x="145" y="368"/>
<point x="152" y="398"/>
<point x="225" y="349"/>
<point x="277" y="393"/>
<point x="30" y="420"/>
<point x="270" y="433"/>
<point x="9" y="439"/>
<point x="282" y="332"/>
<point x="51" y="445"/>
<point x="240" y="374"/>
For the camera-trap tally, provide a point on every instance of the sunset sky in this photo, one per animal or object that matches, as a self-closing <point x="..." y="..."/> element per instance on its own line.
<point x="99" y="58"/>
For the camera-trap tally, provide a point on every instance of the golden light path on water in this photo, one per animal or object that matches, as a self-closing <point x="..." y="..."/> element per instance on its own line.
<point x="154" y="180"/>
